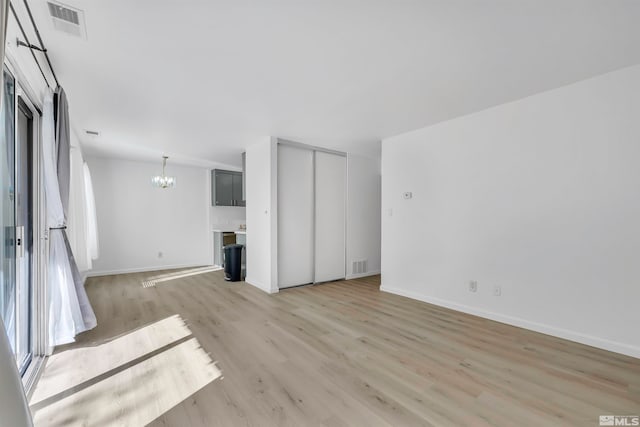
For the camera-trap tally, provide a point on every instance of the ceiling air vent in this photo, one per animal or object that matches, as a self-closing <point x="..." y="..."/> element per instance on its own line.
<point x="67" y="19"/>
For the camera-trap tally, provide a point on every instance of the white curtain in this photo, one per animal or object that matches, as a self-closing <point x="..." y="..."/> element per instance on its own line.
<point x="77" y="215"/>
<point x="92" y="219"/>
<point x="69" y="310"/>
<point x="81" y="223"/>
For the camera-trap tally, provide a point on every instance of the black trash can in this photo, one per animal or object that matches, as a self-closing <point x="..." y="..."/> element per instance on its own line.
<point x="233" y="263"/>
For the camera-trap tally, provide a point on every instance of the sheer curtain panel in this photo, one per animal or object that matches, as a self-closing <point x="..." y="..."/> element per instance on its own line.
<point x="70" y="312"/>
<point x="77" y="217"/>
<point x="92" y="219"/>
<point x="82" y="228"/>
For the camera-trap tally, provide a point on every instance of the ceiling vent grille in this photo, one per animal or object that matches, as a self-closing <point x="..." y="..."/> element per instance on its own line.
<point x="67" y="19"/>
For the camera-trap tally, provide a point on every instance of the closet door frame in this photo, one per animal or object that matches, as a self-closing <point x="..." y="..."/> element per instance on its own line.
<point x="314" y="149"/>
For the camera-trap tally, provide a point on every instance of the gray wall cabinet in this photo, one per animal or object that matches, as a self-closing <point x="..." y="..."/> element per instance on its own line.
<point x="226" y="188"/>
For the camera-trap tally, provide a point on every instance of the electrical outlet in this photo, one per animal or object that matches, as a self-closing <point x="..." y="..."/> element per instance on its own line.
<point x="473" y="286"/>
<point x="497" y="290"/>
<point x="407" y="195"/>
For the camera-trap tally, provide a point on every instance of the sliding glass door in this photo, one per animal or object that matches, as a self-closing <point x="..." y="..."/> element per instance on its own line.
<point x="8" y="288"/>
<point x="24" y="232"/>
<point x="17" y="219"/>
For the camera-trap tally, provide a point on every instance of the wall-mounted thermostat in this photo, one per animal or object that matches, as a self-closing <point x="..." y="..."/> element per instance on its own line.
<point x="407" y="195"/>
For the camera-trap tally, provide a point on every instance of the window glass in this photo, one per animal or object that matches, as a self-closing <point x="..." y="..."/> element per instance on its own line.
<point x="7" y="209"/>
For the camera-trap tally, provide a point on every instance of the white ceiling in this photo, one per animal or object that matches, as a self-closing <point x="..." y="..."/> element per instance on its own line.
<point x="200" y="80"/>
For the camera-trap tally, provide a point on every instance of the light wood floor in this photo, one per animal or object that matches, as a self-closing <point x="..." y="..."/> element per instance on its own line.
<point x="189" y="349"/>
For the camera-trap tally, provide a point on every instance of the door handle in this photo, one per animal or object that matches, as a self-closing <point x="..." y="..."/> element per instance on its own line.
<point x="19" y="241"/>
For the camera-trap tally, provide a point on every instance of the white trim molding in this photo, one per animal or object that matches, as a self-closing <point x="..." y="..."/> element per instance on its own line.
<point x="95" y="273"/>
<point x="602" y="343"/>
<point x="360" y="275"/>
<point x="261" y="286"/>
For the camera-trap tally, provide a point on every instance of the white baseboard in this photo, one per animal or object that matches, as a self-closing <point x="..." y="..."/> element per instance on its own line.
<point x="359" y="275"/>
<point x="614" y="346"/>
<point x="260" y="286"/>
<point x="94" y="273"/>
<point x="268" y="290"/>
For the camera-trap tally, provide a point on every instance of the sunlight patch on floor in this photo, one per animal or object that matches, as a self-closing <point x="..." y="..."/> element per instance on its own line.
<point x="129" y="381"/>
<point x="74" y="366"/>
<point x="154" y="280"/>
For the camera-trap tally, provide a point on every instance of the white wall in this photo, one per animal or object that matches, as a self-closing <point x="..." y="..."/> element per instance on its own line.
<point x="137" y="221"/>
<point x="22" y="62"/>
<point x="227" y="217"/>
<point x="363" y="213"/>
<point x="261" y="211"/>
<point x="539" y="196"/>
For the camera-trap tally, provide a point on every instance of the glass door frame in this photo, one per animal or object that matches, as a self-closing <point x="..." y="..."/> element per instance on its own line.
<point x="24" y="231"/>
<point x="25" y="95"/>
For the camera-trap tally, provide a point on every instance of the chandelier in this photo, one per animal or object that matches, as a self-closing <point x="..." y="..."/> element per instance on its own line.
<point x="163" y="181"/>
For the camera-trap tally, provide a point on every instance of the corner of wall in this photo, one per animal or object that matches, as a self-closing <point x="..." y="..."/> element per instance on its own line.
<point x="261" y="286"/>
<point x="274" y="213"/>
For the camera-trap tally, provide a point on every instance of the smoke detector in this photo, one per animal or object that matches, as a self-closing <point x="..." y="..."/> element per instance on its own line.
<point x="67" y="19"/>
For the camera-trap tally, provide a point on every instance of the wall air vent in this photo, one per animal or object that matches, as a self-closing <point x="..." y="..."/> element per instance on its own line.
<point x="67" y="19"/>
<point x="359" y="267"/>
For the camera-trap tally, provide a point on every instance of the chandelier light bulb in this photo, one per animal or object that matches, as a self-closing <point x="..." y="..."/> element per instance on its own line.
<point x="163" y="181"/>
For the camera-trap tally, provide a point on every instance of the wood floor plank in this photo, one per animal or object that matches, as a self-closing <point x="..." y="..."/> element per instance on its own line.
<point x="186" y="348"/>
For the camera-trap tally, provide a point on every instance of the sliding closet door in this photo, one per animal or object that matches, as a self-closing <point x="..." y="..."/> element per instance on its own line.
<point x="295" y="216"/>
<point x="330" y="204"/>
